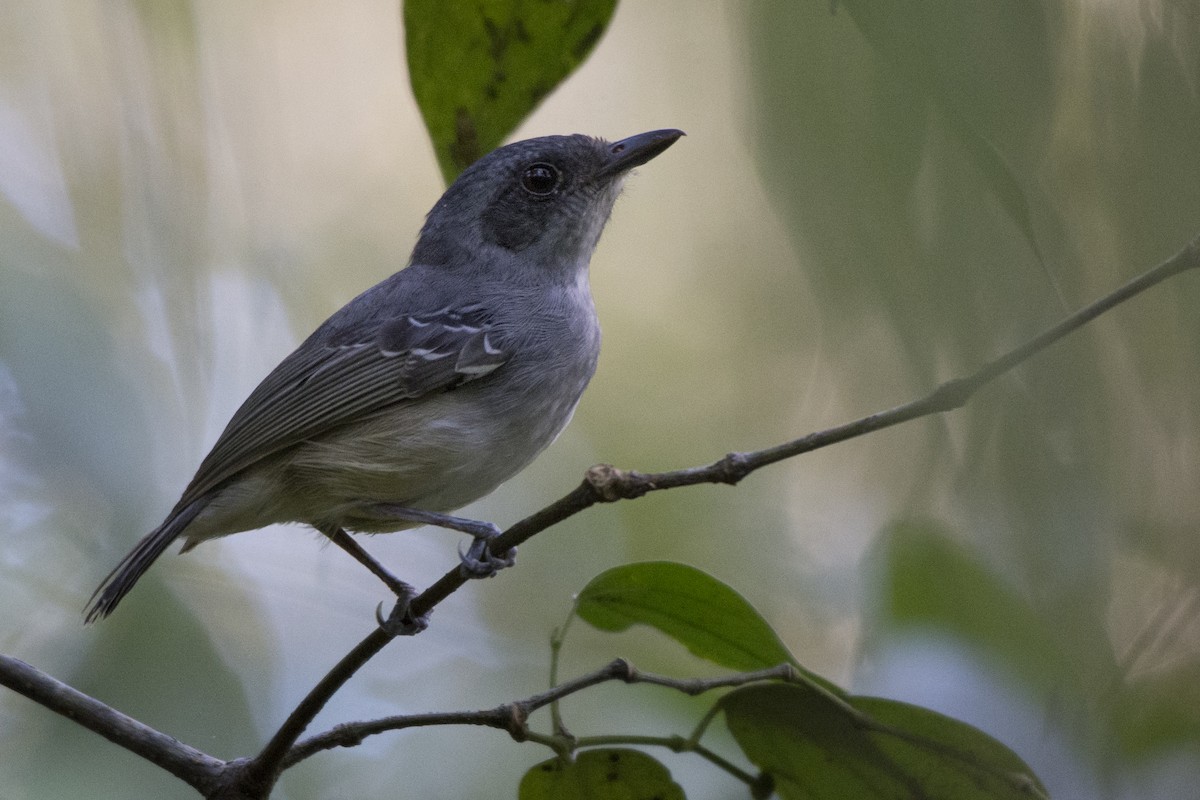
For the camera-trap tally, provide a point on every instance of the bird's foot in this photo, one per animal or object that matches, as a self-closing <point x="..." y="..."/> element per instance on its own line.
<point x="401" y="621"/>
<point x="478" y="560"/>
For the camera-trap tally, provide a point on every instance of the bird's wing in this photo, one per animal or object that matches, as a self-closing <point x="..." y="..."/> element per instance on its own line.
<point x="359" y="371"/>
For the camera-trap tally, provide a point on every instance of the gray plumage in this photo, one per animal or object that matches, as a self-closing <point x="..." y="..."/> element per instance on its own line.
<point x="434" y="386"/>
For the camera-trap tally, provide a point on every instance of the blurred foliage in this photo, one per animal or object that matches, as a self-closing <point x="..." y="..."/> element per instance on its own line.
<point x="928" y="580"/>
<point x="479" y="68"/>
<point x="187" y="188"/>
<point x="957" y="172"/>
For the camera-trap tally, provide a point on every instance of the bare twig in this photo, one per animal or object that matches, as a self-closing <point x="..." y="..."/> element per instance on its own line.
<point x="676" y="744"/>
<point x="607" y="484"/>
<point x="513" y="716"/>
<point x="191" y="766"/>
<point x="267" y="765"/>
<point x="557" y="638"/>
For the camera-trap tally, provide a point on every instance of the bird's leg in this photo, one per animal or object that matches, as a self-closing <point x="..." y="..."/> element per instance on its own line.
<point x="345" y="541"/>
<point x="400" y="622"/>
<point x="478" y="561"/>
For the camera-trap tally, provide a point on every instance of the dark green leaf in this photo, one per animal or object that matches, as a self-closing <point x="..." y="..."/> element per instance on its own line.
<point x="479" y="68"/>
<point x="701" y="613"/>
<point x="820" y="748"/>
<point x="609" y="774"/>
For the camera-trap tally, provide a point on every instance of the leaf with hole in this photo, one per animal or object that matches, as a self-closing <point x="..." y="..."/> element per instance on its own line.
<point x="608" y="774"/>
<point x="477" y="69"/>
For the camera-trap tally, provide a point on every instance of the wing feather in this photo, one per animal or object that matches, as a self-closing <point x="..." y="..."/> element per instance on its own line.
<point x="362" y="370"/>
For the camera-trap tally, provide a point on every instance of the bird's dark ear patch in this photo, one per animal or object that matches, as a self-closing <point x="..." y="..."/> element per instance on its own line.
<point x="516" y="217"/>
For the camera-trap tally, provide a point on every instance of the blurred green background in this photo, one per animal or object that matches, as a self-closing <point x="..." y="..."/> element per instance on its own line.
<point x="870" y="199"/>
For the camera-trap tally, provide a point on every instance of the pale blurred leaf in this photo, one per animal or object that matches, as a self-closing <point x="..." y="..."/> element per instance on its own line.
<point x="930" y="581"/>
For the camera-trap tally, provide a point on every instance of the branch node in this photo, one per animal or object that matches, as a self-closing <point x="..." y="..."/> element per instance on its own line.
<point x="622" y="669"/>
<point x="347" y="735"/>
<point x="734" y="467"/>
<point x="789" y="673"/>
<point x="609" y="484"/>
<point x="516" y="720"/>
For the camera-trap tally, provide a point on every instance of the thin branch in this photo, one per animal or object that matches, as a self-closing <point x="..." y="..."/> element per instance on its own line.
<point x="676" y="744"/>
<point x="510" y="716"/>
<point x="197" y="769"/>
<point x="607" y="484"/>
<point x="694" y="686"/>
<point x="513" y="716"/>
<point x="267" y="765"/>
<point x="557" y="637"/>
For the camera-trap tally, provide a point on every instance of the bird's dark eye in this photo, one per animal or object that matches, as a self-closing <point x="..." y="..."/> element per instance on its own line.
<point x="541" y="179"/>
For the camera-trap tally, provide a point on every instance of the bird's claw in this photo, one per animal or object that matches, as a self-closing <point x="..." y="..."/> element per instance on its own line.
<point x="478" y="561"/>
<point x="401" y="622"/>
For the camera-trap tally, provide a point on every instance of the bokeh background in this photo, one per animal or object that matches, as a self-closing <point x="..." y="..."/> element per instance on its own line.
<point x="868" y="202"/>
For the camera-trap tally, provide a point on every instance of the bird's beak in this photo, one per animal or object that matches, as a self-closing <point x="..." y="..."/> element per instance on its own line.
<point x="637" y="150"/>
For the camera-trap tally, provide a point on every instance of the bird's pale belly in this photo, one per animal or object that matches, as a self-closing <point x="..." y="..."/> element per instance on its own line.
<point x="464" y="454"/>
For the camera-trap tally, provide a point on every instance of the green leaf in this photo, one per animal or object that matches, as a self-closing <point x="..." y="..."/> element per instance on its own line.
<point x="818" y="747"/>
<point x="478" y="68"/>
<point x="701" y="613"/>
<point x="930" y="580"/>
<point x="607" y="774"/>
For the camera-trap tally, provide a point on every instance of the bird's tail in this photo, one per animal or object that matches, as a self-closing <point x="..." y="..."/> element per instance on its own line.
<point x="126" y="574"/>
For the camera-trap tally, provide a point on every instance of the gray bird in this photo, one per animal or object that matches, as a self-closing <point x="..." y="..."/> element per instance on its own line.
<point x="430" y="389"/>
